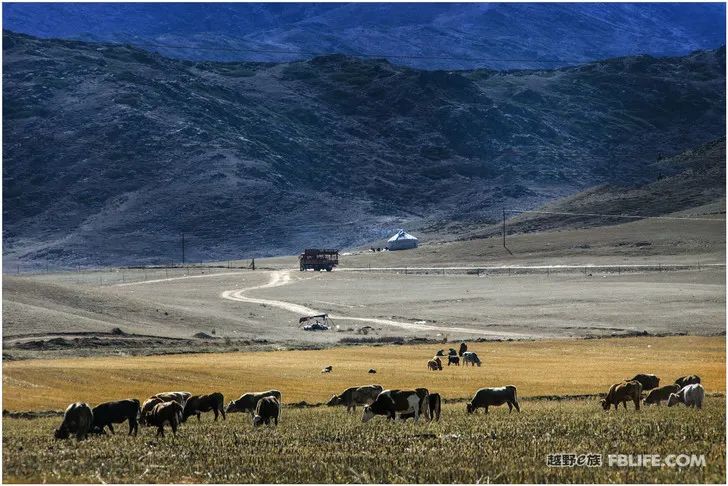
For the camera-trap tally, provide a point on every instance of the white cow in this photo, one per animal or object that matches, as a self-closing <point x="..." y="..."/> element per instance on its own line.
<point x="690" y="395"/>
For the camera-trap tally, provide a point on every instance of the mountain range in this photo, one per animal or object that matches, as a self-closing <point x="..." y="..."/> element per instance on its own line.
<point x="423" y="35"/>
<point x="112" y="152"/>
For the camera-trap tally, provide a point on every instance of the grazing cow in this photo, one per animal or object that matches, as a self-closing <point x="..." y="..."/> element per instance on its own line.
<point x="248" y="401"/>
<point x="356" y="395"/>
<point x="688" y="380"/>
<point x="328" y="369"/>
<point x="454" y="360"/>
<point x="434" y="364"/>
<point x="463" y="349"/>
<point x="622" y="393"/>
<point x="433" y="406"/>
<point x="470" y="357"/>
<point x="109" y="413"/>
<point x="197" y="404"/>
<point x="267" y="408"/>
<point x="391" y="402"/>
<point x="648" y="382"/>
<point x="165" y="413"/>
<point x="147" y="407"/>
<point x="372" y="371"/>
<point x="494" y="397"/>
<point x="659" y="394"/>
<point x="77" y="419"/>
<point x="691" y="395"/>
<point x="440" y="352"/>
<point x="179" y="397"/>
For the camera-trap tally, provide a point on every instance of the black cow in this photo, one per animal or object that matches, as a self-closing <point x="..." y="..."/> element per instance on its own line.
<point x="267" y="408"/>
<point x="648" y="382"/>
<point x="453" y="360"/>
<point x="165" y="413"/>
<point x="109" y="413"/>
<point x="392" y="402"/>
<point x="77" y="419"/>
<point x="493" y="397"/>
<point x="688" y="380"/>
<point x="197" y="404"/>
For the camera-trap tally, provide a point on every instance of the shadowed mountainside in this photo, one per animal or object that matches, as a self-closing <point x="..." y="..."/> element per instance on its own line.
<point x="111" y="152"/>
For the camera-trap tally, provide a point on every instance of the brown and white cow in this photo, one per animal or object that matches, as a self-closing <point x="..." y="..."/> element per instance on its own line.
<point x="392" y="402"/>
<point x="356" y="395"/>
<point x="434" y="364"/>
<point x="197" y="404"/>
<point x="494" y="397"/>
<point x="622" y="393"/>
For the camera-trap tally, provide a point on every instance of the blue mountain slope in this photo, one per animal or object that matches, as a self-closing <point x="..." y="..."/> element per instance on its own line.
<point x="520" y="33"/>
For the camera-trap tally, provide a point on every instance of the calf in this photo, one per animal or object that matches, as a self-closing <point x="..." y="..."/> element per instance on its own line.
<point x="470" y="357"/>
<point x="165" y="413"/>
<point x="391" y="402"/>
<point x="356" y="395"/>
<point x="109" y="413"/>
<point x="249" y="401"/>
<point x="267" y="408"/>
<point x="453" y="360"/>
<point x="688" y="380"/>
<point x="659" y="394"/>
<point x="77" y="419"/>
<point x="691" y="395"/>
<point x="622" y="393"/>
<point x="648" y="382"/>
<point x="204" y="403"/>
<point x="494" y="397"/>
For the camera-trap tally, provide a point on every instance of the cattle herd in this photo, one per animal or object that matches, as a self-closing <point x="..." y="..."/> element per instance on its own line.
<point x="174" y="408"/>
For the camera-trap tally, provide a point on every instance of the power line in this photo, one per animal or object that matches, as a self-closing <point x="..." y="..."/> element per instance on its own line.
<point x="628" y="216"/>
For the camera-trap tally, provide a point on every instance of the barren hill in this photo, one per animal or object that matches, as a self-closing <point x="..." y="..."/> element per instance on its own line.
<point x="112" y="152"/>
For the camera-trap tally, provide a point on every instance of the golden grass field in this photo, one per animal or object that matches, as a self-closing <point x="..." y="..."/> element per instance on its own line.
<point x="327" y="445"/>
<point x="553" y="367"/>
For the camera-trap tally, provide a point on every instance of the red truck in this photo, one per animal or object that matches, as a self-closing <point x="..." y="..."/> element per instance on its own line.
<point x="318" y="259"/>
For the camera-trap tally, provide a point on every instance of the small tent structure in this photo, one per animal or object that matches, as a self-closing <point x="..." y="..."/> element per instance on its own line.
<point x="401" y="241"/>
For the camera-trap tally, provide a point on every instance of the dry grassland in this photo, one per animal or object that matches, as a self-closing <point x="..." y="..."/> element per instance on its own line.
<point x="553" y="367"/>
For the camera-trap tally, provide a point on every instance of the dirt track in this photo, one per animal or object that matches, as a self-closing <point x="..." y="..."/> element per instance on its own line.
<point x="282" y="277"/>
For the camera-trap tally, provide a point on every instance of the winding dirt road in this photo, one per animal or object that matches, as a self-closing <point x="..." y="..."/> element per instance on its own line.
<point x="283" y="277"/>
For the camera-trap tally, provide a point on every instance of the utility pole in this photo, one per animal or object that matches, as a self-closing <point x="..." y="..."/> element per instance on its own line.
<point x="183" y="248"/>
<point x="504" y="228"/>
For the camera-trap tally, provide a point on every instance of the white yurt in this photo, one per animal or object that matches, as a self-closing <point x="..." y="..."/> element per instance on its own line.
<point x="401" y="241"/>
